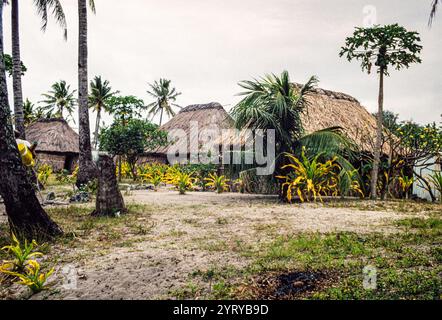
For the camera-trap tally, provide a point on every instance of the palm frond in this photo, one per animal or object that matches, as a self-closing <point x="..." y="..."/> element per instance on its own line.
<point x="433" y="12"/>
<point x="44" y="6"/>
<point x="330" y="142"/>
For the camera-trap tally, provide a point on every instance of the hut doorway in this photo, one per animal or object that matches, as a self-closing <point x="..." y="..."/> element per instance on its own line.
<point x="69" y="162"/>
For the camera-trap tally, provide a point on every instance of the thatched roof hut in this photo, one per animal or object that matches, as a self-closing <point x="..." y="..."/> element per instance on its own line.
<point x="58" y="143"/>
<point x="209" y="115"/>
<point x="328" y="109"/>
<point x="335" y="109"/>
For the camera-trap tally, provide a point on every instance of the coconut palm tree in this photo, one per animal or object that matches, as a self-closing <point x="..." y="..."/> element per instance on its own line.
<point x="60" y="100"/>
<point x="26" y="216"/>
<point x="164" y="94"/>
<point x="43" y="7"/>
<point x="29" y="112"/>
<point x="273" y="102"/>
<point x="87" y="170"/>
<point x="434" y="6"/>
<point x="99" y="97"/>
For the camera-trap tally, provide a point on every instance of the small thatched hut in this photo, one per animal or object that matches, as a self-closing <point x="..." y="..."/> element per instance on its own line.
<point x="205" y="116"/>
<point x="58" y="143"/>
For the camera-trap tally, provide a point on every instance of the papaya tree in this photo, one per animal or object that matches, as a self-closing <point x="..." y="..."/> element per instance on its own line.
<point x="382" y="48"/>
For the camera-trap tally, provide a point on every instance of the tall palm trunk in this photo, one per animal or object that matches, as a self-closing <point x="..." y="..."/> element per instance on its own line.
<point x="378" y="146"/>
<point x="87" y="170"/>
<point x="97" y="128"/>
<point x="16" y="70"/>
<point x="25" y="215"/>
<point x="161" y="116"/>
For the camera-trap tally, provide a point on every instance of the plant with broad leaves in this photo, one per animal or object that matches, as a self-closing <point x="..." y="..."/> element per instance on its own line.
<point x="21" y="253"/>
<point x="217" y="183"/>
<point x="32" y="277"/>
<point x="310" y="179"/>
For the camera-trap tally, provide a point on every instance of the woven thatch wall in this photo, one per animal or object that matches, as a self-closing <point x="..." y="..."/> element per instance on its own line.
<point x="152" y="158"/>
<point x="56" y="161"/>
<point x="206" y="115"/>
<point x="53" y="135"/>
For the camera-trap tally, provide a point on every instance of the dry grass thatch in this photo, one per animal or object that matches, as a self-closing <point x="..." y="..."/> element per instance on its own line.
<point x="206" y="116"/>
<point x="54" y="136"/>
<point x="334" y="109"/>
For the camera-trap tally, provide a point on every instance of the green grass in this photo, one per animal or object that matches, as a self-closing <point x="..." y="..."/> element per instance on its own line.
<point x="408" y="263"/>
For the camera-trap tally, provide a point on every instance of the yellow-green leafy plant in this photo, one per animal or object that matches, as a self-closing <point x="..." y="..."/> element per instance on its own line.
<point x="309" y="179"/>
<point x="436" y="180"/>
<point x="348" y="184"/>
<point x="217" y="183"/>
<point x="126" y="171"/>
<point x="21" y="253"/>
<point x="153" y="173"/>
<point x="405" y="182"/>
<point x="44" y="171"/>
<point x="31" y="276"/>
<point x="181" y="180"/>
<point x="237" y="185"/>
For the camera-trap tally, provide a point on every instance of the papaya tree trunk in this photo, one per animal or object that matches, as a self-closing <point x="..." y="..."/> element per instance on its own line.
<point x="378" y="146"/>
<point x="87" y="170"/>
<point x="25" y="214"/>
<point x="109" y="199"/>
<point x="16" y="70"/>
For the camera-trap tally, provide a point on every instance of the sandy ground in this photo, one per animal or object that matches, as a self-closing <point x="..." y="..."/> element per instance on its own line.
<point x="199" y="231"/>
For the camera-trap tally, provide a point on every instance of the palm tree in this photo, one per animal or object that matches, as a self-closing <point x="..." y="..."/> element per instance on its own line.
<point x="101" y="92"/>
<point x="275" y="103"/>
<point x="42" y="6"/>
<point x="163" y="94"/>
<point x="29" y="114"/>
<point x="87" y="170"/>
<point x="433" y="11"/>
<point x="26" y="216"/>
<point x="59" y="100"/>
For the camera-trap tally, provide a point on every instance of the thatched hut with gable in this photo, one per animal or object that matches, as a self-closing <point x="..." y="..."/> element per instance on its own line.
<point x="58" y="143"/>
<point x="205" y="116"/>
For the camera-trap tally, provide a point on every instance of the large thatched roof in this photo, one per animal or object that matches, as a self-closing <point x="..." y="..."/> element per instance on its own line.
<point x="53" y="135"/>
<point x="206" y="116"/>
<point x="335" y="109"/>
<point x="329" y="109"/>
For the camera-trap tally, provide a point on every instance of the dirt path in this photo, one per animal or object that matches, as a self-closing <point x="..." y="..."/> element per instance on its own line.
<point x="197" y="232"/>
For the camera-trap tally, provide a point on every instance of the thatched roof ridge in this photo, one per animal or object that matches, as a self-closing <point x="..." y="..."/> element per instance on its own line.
<point x="53" y="135"/>
<point x="329" y="93"/>
<point x="196" y="107"/>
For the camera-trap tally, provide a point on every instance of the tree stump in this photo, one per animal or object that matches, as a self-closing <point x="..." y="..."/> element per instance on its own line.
<point x="109" y="199"/>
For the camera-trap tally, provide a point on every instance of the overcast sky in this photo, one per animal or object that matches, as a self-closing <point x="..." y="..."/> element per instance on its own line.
<point x="206" y="46"/>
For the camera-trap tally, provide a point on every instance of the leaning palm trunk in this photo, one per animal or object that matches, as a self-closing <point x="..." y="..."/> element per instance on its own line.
<point x="87" y="169"/>
<point x="97" y="128"/>
<point x="377" y="151"/>
<point x="16" y="70"/>
<point x="25" y="215"/>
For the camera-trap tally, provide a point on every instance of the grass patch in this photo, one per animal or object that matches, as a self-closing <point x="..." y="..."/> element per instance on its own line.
<point x="408" y="264"/>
